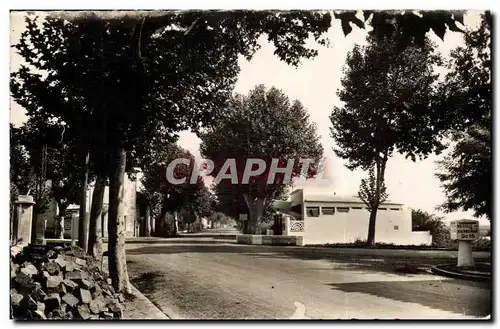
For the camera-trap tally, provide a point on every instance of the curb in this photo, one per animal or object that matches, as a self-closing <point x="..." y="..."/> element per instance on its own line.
<point x="178" y="239"/>
<point x="456" y="275"/>
<point x="167" y="312"/>
<point x="149" y="311"/>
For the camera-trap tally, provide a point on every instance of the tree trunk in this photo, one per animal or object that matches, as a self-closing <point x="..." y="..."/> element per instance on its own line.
<point x="116" y="224"/>
<point x="95" y="221"/>
<point x="60" y="229"/>
<point x="380" y="173"/>
<point x="83" y="223"/>
<point x="147" y="223"/>
<point x="371" y="227"/>
<point x="176" y="224"/>
<point x="162" y="219"/>
<point x="256" y="211"/>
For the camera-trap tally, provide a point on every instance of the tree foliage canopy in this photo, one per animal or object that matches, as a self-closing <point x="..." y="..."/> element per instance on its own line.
<point x="264" y="125"/>
<point x="388" y="99"/>
<point x="185" y="195"/>
<point x="466" y="171"/>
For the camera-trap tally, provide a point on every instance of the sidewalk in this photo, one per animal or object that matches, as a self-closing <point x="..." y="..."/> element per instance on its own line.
<point x="139" y="307"/>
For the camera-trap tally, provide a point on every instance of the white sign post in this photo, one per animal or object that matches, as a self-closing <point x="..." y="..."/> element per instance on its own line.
<point x="465" y="231"/>
<point x="243" y="217"/>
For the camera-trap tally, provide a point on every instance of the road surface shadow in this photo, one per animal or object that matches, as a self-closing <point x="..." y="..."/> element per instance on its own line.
<point x="448" y="295"/>
<point x="146" y="282"/>
<point x="407" y="264"/>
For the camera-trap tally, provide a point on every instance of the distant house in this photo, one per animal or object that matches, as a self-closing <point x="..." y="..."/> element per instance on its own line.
<point x="322" y="219"/>
<point x="135" y="211"/>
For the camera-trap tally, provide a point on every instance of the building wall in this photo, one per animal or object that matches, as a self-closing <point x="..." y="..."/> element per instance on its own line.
<point x="130" y="196"/>
<point x="392" y="226"/>
<point x="48" y="218"/>
<point x="130" y="208"/>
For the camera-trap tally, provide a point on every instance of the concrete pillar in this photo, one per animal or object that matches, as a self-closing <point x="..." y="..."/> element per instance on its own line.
<point x="465" y="258"/>
<point x="105" y="225"/>
<point x="149" y="225"/>
<point x="23" y="218"/>
<point x="176" y="223"/>
<point x="74" y="228"/>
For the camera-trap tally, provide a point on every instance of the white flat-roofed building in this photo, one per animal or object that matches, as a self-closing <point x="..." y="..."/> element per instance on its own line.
<point x="322" y="219"/>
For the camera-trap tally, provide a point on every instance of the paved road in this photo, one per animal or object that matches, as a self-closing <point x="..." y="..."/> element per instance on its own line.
<point x="202" y="278"/>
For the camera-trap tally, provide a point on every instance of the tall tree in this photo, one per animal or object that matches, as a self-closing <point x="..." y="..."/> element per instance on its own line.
<point x="264" y="125"/>
<point x="466" y="171"/>
<point x="174" y="197"/>
<point x="50" y="149"/>
<point x="388" y="106"/>
<point x="20" y="168"/>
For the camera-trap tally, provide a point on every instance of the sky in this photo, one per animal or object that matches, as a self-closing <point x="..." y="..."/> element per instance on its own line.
<point x="315" y="83"/>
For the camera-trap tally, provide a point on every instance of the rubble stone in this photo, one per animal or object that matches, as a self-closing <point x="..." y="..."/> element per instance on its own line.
<point x="71" y="300"/>
<point x="70" y="285"/>
<point x="81" y="262"/>
<point x="83" y="311"/>
<point x="85" y="296"/>
<point x="15" y="297"/>
<point x="39" y="315"/>
<point x="86" y="284"/>
<point x="38" y="293"/>
<point x="52" y="267"/>
<point x="51" y="254"/>
<point x="75" y="275"/>
<point x="24" y="281"/>
<point x="96" y="289"/>
<point x="52" y="302"/>
<point x="98" y="305"/>
<point x="54" y="281"/>
<point x="29" y="270"/>
<point x="107" y="315"/>
<point x="63" y="284"/>
<point x="114" y="305"/>
<point x="60" y="261"/>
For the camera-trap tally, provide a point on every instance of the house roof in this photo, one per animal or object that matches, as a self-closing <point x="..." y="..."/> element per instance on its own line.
<point x="340" y="199"/>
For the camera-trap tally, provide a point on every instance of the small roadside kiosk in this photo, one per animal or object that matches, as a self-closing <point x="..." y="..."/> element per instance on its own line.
<point x="465" y="231"/>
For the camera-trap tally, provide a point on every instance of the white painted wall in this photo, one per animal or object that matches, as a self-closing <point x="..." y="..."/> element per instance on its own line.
<point x="347" y="227"/>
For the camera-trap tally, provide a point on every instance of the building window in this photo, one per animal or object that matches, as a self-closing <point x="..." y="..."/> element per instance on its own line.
<point x="328" y="210"/>
<point x="396" y="209"/>
<point x="382" y="208"/>
<point x="396" y="227"/>
<point x="357" y="208"/>
<point x="343" y="209"/>
<point x="312" y="211"/>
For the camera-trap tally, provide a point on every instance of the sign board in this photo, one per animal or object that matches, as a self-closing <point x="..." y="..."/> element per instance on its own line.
<point x="464" y="229"/>
<point x="243" y="217"/>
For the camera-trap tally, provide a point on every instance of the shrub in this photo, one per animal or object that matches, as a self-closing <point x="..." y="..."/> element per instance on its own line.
<point x="482" y="244"/>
